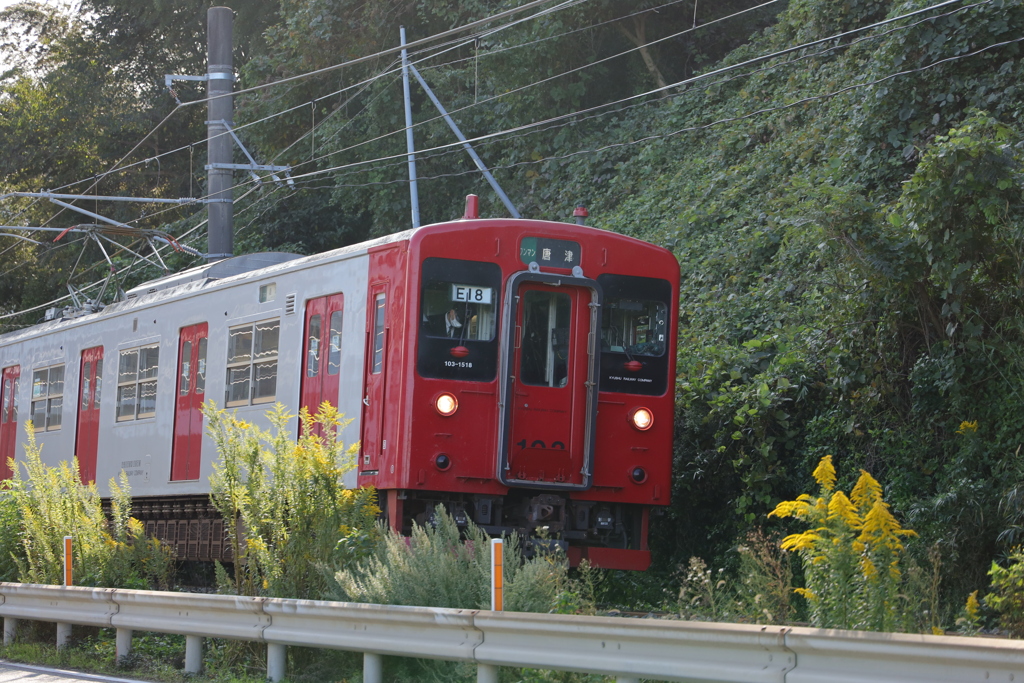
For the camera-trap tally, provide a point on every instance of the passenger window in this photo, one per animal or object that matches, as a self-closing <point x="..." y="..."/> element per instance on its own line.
<point x="252" y="363"/>
<point x="47" y="398"/>
<point x="136" y="383"/>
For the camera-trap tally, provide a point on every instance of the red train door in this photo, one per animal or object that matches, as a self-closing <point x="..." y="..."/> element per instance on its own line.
<point x="550" y="397"/>
<point x="191" y="387"/>
<point x="322" y="355"/>
<point x="376" y="373"/>
<point x="9" y="419"/>
<point x="88" y="432"/>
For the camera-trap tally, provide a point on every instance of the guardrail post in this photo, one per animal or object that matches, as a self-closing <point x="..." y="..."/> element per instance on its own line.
<point x="277" y="659"/>
<point x="373" y="670"/>
<point x="486" y="673"/>
<point x="122" y="644"/>
<point x="63" y="635"/>
<point x="10" y="630"/>
<point x="193" y="654"/>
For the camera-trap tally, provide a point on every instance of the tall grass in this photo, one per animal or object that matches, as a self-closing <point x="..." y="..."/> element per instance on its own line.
<point x="46" y="503"/>
<point x="443" y="566"/>
<point x="284" y="502"/>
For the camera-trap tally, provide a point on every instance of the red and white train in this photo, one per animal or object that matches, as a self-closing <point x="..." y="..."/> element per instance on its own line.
<point x="520" y="372"/>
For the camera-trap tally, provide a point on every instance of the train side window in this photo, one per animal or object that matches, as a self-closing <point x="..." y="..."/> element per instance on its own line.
<point x="313" y="347"/>
<point x="185" y="379"/>
<point x="378" y="334"/>
<point x="252" y="363"/>
<point x="6" y="415"/>
<point x="201" y="368"/>
<point x="86" y="372"/>
<point x="136" y="383"/>
<point x="97" y="390"/>
<point x="48" y="398"/>
<point x="334" y="340"/>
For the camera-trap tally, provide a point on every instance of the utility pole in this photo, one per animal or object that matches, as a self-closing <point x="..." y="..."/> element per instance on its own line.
<point x="410" y="146"/>
<point x="220" y="81"/>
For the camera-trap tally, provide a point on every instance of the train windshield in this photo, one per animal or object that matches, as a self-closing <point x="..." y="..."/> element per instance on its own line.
<point x="458" y="319"/>
<point x="634" y="334"/>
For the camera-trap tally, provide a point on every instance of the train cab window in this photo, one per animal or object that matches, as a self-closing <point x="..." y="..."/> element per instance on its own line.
<point x="252" y="363"/>
<point x="47" y="398"/>
<point x="458" y="320"/>
<point x="545" y="338"/>
<point x="634" y="334"/>
<point x="136" y="383"/>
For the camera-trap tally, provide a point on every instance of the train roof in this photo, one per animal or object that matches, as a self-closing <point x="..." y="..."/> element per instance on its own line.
<point x="260" y="265"/>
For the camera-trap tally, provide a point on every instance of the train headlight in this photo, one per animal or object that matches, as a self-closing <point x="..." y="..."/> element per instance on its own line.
<point x="638" y="475"/>
<point x="442" y="462"/>
<point x="642" y="419"/>
<point x="446" y="404"/>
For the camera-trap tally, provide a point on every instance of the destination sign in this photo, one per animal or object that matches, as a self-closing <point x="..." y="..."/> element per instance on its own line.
<point x="549" y="253"/>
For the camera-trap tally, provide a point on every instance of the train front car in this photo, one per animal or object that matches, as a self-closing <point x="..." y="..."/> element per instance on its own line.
<point x="533" y="392"/>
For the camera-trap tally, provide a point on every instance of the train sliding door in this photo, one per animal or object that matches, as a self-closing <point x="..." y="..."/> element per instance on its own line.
<point x="549" y="389"/>
<point x="9" y="419"/>
<point x="88" y="431"/>
<point x="322" y="355"/>
<point x="188" y="418"/>
<point x="373" y="444"/>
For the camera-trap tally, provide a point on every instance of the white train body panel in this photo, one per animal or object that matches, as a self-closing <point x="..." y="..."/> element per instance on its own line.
<point x="140" y="447"/>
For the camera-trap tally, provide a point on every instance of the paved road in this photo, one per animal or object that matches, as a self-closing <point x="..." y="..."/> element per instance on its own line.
<point x="26" y="673"/>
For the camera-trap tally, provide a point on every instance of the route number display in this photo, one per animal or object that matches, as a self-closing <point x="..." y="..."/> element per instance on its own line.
<point x="471" y="294"/>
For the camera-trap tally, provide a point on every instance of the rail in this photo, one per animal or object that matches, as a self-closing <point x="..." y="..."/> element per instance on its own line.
<point x="628" y="649"/>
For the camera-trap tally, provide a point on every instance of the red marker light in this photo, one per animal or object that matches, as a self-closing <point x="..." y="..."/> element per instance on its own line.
<point x="459" y="352"/>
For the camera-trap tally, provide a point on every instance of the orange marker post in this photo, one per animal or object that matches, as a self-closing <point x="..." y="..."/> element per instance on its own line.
<point x="67" y="561"/>
<point x="497" y="574"/>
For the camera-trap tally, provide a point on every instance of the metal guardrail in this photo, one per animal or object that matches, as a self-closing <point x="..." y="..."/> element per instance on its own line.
<point x="628" y="649"/>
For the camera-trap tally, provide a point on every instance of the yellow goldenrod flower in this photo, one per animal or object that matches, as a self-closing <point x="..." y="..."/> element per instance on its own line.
<point x="805" y="593"/>
<point x="825" y="473"/>
<point x="804" y="541"/>
<point x="972" y="608"/>
<point x="966" y="426"/>
<point x="866" y="492"/>
<point x="840" y="508"/>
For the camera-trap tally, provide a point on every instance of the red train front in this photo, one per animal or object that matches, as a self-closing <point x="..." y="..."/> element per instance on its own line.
<point x="520" y="372"/>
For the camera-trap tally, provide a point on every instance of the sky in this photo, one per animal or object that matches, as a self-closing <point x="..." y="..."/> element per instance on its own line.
<point x="4" y="4"/>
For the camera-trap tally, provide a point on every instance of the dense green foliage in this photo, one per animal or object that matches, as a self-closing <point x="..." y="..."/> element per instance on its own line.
<point x="847" y="215"/>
